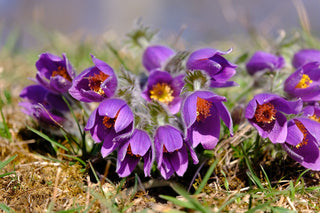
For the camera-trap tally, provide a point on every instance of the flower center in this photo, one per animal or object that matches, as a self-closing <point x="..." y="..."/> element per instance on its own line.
<point x="62" y="72"/>
<point x="265" y="113"/>
<point x="161" y="92"/>
<point x="315" y="118"/>
<point x="203" y="109"/>
<point x="109" y="122"/>
<point x="304" y="82"/>
<point x="129" y="151"/>
<point x="304" y="131"/>
<point x="96" y="80"/>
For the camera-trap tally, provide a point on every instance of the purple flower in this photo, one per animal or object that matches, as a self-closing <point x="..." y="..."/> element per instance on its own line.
<point x="110" y="123"/>
<point x="263" y="61"/>
<point x="164" y="88"/>
<point x="201" y="112"/>
<point x="302" y="142"/>
<point x="54" y="73"/>
<point x="304" y="82"/>
<point x="129" y="154"/>
<point x="305" y="56"/>
<point x="43" y="105"/>
<point x="265" y="113"/>
<point x="313" y="112"/>
<point x="95" y="83"/>
<point x="171" y="151"/>
<point x="211" y="61"/>
<point x="154" y="57"/>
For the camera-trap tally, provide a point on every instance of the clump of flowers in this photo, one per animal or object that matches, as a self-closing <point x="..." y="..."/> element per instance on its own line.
<point x="158" y="121"/>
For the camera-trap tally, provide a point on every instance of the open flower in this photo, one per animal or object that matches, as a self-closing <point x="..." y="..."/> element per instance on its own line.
<point x="265" y="113"/>
<point x="302" y="142"/>
<point x="164" y="88"/>
<point x="129" y="154"/>
<point x="110" y="123"/>
<point x="212" y="62"/>
<point x="155" y="57"/>
<point x="263" y="61"/>
<point x="201" y="112"/>
<point x="95" y="83"/>
<point x="54" y="73"/>
<point x="305" y="82"/>
<point x="43" y="105"/>
<point x="305" y="56"/>
<point x="171" y="151"/>
<point x="312" y="112"/>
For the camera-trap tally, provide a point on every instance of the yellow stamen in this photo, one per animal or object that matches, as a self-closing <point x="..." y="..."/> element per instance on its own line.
<point x="265" y="113"/>
<point x="109" y="122"/>
<point x="304" y="82"/>
<point x="203" y="109"/>
<point x="96" y="80"/>
<point x="62" y="72"/>
<point x="315" y="118"/>
<point x="304" y="131"/>
<point x="162" y="92"/>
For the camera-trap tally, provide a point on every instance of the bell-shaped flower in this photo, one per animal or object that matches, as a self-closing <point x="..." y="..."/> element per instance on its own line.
<point x="171" y="151"/>
<point x="132" y="150"/>
<point x="303" y="141"/>
<point x="265" y="113"/>
<point x="304" y="83"/>
<point x="110" y="123"/>
<point x="162" y="87"/>
<point x="94" y="84"/>
<point x="155" y="57"/>
<point x="54" y="73"/>
<point x="305" y="56"/>
<point x="214" y="64"/>
<point x="263" y="62"/>
<point x="201" y="112"/>
<point x="45" y="106"/>
<point x="312" y="112"/>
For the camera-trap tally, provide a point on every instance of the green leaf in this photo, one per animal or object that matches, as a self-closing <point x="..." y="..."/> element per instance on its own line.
<point x="46" y="137"/>
<point x="6" y="208"/>
<point x="177" y="202"/>
<point x="4" y="163"/>
<point x="206" y="177"/>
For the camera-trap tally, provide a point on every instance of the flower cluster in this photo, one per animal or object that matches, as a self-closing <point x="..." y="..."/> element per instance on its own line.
<point x="294" y="123"/>
<point x="161" y="122"/>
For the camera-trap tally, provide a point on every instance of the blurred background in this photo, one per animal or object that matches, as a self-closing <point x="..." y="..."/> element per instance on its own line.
<point x="200" y="21"/>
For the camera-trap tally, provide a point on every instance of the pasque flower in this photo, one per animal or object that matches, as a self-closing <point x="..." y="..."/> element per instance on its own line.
<point x="214" y="64"/>
<point x="265" y="113"/>
<point x="162" y="87"/>
<point x="155" y="57"/>
<point x="305" y="82"/>
<point x="171" y="151"/>
<point x="95" y="83"/>
<point x="313" y="112"/>
<point x="305" y="56"/>
<point x="54" y="73"/>
<point x="111" y="123"/>
<point x="132" y="150"/>
<point x="302" y="142"/>
<point x="43" y="105"/>
<point x="201" y="112"/>
<point x="263" y="61"/>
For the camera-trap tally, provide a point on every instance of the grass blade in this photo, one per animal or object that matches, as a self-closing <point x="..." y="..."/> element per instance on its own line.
<point x="6" y="208"/>
<point x="206" y="177"/>
<point x="4" y="163"/>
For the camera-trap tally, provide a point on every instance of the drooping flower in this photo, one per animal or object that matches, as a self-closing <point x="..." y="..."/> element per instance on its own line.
<point x="305" y="56"/>
<point x="312" y="112"/>
<point x="263" y="61"/>
<point x="302" y="143"/>
<point x="265" y="113"/>
<point x="129" y="154"/>
<point x="162" y="87"/>
<point x="305" y="82"/>
<point x="54" y="73"/>
<point x="45" y="106"/>
<point x="171" y="151"/>
<point x="95" y="83"/>
<point x="110" y="123"/>
<point x="201" y="112"/>
<point x="214" y="64"/>
<point x="155" y="57"/>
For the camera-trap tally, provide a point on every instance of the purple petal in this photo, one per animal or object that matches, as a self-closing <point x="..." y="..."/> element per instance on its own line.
<point x="124" y="119"/>
<point x="154" y="57"/>
<point x="171" y="137"/>
<point x="140" y="142"/>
